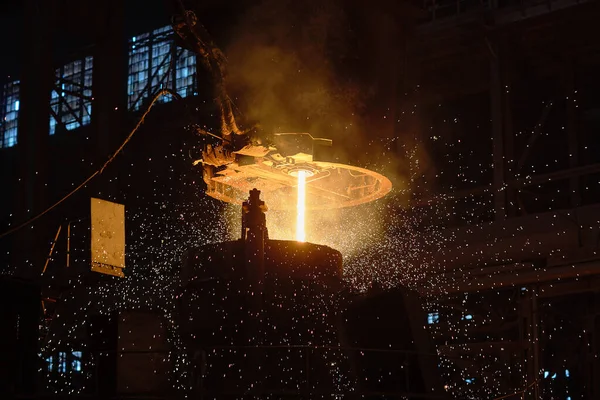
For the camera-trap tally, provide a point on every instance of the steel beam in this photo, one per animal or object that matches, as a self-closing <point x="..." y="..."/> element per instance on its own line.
<point x="511" y="279"/>
<point x="496" y="89"/>
<point x="36" y="84"/>
<point x="573" y="140"/>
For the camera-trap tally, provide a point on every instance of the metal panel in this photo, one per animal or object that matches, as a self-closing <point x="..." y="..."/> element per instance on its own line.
<point x="108" y="237"/>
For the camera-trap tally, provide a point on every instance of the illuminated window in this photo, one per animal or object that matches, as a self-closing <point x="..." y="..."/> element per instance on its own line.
<point x="433" y="317"/>
<point x="185" y="73"/>
<point x="62" y="362"/>
<point x="49" y="365"/>
<point x="156" y="63"/>
<point x="76" y="361"/>
<point x="9" y="114"/>
<point x="71" y="99"/>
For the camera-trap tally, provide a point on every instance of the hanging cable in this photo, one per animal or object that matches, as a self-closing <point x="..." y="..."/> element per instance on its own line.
<point x="158" y="95"/>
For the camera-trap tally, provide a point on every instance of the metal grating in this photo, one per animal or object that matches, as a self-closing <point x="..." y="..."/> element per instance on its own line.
<point x="155" y="63"/>
<point x="71" y="98"/>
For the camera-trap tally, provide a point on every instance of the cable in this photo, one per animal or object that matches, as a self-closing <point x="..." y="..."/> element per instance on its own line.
<point x="163" y="92"/>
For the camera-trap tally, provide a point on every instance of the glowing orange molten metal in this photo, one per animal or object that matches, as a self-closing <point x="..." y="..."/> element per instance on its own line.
<point x="301" y="207"/>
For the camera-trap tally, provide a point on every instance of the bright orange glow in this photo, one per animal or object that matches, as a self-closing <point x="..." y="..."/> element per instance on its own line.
<point x="301" y="207"/>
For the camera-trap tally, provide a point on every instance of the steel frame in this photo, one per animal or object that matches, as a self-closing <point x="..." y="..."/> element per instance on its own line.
<point x="545" y="279"/>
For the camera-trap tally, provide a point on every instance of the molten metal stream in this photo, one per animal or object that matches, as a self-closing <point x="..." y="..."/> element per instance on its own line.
<point x="301" y="207"/>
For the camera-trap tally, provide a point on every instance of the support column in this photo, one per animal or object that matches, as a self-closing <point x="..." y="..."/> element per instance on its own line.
<point x="37" y="75"/>
<point x="535" y="337"/>
<point x="531" y="342"/>
<point x="496" y="90"/>
<point x="505" y="198"/>
<point x="386" y="48"/>
<point x="109" y="75"/>
<point x="593" y="372"/>
<point x="506" y="74"/>
<point x="572" y="136"/>
<point x="109" y="84"/>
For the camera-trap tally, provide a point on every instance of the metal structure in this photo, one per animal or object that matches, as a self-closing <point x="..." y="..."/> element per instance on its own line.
<point x="516" y="270"/>
<point x="518" y="266"/>
<point x="71" y="97"/>
<point x="329" y="185"/>
<point x="269" y="317"/>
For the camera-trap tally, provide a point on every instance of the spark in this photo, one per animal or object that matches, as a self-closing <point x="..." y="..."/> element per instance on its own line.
<point x="381" y="242"/>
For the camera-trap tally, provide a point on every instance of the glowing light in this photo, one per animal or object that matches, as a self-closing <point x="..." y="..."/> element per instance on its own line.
<point x="300" y="207"/>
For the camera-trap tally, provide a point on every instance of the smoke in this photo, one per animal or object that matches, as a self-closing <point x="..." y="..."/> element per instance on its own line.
<point x="333" y="68"/>
<point x="330" y="68"/>
<point x="283" y="68"/>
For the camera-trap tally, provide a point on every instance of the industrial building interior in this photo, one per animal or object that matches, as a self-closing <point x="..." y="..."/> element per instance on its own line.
<point x="426" y="224"/>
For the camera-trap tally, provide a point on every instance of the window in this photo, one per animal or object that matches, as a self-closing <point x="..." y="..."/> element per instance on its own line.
<point x="433" y="317"/>
<point x="71" y="99"/>
<point x="9" y="114"/>
<point x="76" y="361"/>
<point x="62" y="362"/>
<point x="156" y="63"/>
<point x="50" y="364"/>
<point x="65" y="362"/>
<point x="185" y="73"/>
